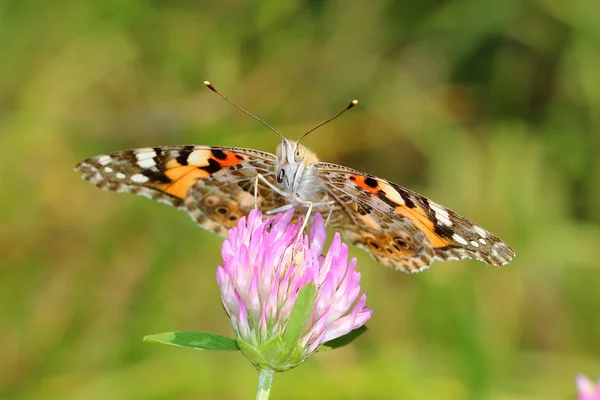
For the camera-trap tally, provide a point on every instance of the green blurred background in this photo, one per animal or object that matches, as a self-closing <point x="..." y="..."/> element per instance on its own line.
<point x="488" y="107"/>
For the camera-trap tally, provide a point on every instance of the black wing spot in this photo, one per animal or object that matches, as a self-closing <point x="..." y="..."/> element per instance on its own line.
<point x="386" y="200"/>
<point x="405" y="197"/>
<point x="408" y="201"/>
<point x="443" y="231"/>
<point x="158" y="152"/>
<point x="218" y="154"/>
<point x="370" y="182"/>
<point x="184" y="154"/>
<point x="212" y="167"/>
<point x="373" y="244"/>
<point x="223" y="210"/>
<point x="400" y="243"/>
<point x="156" y="176"/>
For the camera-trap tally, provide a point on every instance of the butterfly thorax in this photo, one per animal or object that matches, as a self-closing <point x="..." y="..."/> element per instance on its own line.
<point x="295" y="173"/>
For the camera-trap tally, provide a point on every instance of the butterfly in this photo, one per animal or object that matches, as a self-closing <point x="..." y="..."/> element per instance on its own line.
<point x="218" y="185"/>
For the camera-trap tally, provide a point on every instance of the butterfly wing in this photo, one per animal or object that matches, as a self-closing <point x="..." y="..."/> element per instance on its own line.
<point x="401" y="228"/>
<point x="215" y="185"/>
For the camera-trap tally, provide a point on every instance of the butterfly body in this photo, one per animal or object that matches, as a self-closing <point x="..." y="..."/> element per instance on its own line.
<point x="295" y="174"/>
<point x="219" y="185"/>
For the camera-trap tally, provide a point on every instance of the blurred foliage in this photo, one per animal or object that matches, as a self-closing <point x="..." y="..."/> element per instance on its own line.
<point x="489" y="107"/>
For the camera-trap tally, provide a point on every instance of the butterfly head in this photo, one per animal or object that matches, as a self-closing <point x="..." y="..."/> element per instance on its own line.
<point x="295" y="160"/>
<point x="292" y="161"/>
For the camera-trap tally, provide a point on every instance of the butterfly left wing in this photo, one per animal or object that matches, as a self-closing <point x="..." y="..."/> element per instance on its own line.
<point x="215" y="185"/>
<point x="401" y="228"/>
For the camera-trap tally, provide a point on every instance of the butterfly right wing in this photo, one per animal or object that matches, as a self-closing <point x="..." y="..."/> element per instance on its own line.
<point x="215" y="185"/>
<point x="401" y="228"/>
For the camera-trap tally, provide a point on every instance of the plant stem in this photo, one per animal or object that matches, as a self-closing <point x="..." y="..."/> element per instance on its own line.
<point x="265" y="380"/>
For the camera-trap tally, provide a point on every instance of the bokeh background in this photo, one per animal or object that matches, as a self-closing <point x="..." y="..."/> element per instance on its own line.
<point x="488" y="107"/>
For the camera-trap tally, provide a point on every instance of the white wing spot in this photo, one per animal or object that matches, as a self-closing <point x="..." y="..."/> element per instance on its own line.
<point x="104" y="160"/>
<point x="120" y="175"/>
<point x="145" y="153"/>
<point x="441" y="214"/>
<point x="199" y="157"/>
<point x="474" y="243"/>
<point x="480" y="231"/>
<point x="482" y="241"/>
<point x="459" y="239"/>
<point x="108" y="170"/>
<point x="139" y="178"/>
<point x="146" y="163"/>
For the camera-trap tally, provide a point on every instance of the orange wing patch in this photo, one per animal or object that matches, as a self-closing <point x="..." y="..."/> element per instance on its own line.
<point x="420" y="220"/>
<point x="366" y="182"/>
<point x="182" y="179"/>
<point x="176" y="171"/>
<point x="403" y="206"/>
<point x="190" y="166"/>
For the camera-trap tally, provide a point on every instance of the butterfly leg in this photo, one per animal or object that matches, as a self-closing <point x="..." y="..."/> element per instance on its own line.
<point x="279" y="209"/>
<point x="306" y="217"/>
<point x="305" y="203"/>
<point x="310" y="206"/>
<point x="304" y="222"/>
<point x="273" y="187"/>
<point x="256" y="191"/>
<point x="329" y="216"/>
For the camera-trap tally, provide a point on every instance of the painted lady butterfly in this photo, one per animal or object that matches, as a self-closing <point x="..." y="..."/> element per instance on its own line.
<point x="219" y="185"/>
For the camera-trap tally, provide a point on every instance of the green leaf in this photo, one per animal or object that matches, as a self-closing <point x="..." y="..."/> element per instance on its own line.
<point x="194" y="340"/>
<point x="300" y="314"/>
<point x="343" y="340"/>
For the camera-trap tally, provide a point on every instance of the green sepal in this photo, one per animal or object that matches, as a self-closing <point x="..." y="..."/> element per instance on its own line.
<point x="300" y="314"/>
<point x="343" y="340"/>
<point x="194" y="340"/>
<point x="274" y="354"/>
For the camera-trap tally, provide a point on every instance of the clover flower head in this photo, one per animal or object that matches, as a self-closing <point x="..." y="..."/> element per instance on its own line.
<point x="266" y="265"/>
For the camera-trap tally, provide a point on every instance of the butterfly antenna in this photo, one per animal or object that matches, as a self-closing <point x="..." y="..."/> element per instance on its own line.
<point x="352" y="104"/>
<point x="211" y="87"/>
